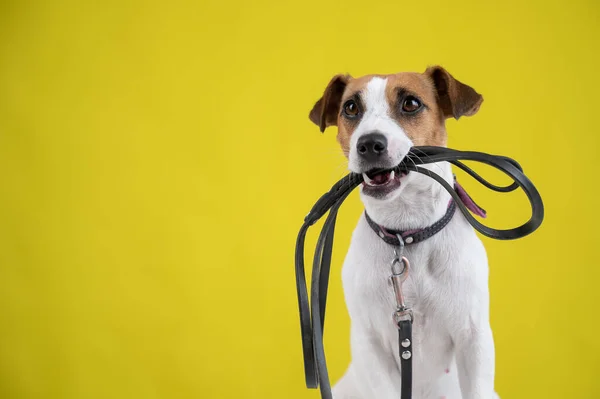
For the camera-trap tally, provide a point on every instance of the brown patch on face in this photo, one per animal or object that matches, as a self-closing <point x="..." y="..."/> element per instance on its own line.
<point x="441" y="96"/>
<point x="425" y="126"/>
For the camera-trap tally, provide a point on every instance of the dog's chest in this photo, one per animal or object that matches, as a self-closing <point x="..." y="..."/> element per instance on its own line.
<point x="367" y="271"/>
<point x="429" y="291"/>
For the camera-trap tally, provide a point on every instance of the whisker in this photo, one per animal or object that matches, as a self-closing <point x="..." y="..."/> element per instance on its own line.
<point x="427" y="156"/>
<point x="423" y="169"/>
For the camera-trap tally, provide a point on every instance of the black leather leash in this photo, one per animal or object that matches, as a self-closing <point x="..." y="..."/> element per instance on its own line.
<point x="312" y="315"/>
<point x="405" y="338"/>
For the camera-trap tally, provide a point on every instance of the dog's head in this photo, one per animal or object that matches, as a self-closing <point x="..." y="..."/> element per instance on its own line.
<point x="380" y="117"/>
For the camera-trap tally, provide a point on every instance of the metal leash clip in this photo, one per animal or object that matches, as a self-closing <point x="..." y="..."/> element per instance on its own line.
<point x="400" y="267"/>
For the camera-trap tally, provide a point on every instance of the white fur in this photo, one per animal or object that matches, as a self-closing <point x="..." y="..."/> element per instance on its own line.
<point x="447" y="287"/>
<point x="377" y="118"/>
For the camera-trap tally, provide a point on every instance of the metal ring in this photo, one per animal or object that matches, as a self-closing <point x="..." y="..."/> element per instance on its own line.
<point x="398" y="260"/>
<point x="405" y="266"/>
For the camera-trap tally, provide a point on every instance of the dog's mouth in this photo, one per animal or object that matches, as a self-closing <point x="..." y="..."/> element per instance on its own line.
<point x="380" y="183"/>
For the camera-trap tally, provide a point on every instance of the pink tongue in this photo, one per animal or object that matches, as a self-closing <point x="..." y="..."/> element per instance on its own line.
<point x="380" y="179"/>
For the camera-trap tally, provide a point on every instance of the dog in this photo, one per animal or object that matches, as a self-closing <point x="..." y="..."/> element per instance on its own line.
<point x="379" y="118"/>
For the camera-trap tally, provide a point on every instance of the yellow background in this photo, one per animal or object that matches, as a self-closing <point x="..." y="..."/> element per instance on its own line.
<point x="156" y="161"/>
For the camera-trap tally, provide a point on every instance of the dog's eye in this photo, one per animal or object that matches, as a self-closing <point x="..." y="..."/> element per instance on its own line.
<point x="351" y="108"/>
<point x="411" y="104"/>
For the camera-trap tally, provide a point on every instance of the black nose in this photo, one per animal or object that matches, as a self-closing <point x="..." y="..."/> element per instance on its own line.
<point x="371" y="146"/>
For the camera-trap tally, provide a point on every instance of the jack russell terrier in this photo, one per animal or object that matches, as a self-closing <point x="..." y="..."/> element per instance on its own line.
<point x="379" y="118"/>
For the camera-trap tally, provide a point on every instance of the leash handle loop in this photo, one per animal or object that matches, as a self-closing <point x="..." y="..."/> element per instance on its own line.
<point x="312" y="315"/>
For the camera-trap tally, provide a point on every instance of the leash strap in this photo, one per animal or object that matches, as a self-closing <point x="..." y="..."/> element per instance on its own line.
<point x="406" y="355"/>
<point x="312" y="314"/>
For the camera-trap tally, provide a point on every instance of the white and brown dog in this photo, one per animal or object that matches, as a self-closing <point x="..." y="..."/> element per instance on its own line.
<point x="379" y="118"/>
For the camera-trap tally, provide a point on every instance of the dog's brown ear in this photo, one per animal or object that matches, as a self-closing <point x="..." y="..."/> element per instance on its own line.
<point x="455" y="98"/>
<point x="325" y="111"/>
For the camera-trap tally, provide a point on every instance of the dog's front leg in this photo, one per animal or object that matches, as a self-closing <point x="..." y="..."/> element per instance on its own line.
<point x="475" y="361"/>
<point x="374" y="369"/>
